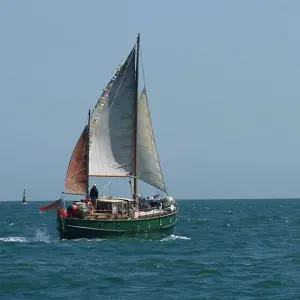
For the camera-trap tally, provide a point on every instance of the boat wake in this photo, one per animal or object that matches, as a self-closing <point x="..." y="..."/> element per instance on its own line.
<point x="11" y="239"/>
<point x="173" y="237"/>
<point x="40" y="236"/>
<point x="84" y="239"/>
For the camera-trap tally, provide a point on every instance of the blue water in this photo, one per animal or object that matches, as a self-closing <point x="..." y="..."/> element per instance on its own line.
<point x="222" y="249"/>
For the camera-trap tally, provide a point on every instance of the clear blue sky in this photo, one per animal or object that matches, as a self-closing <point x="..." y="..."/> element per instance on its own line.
<point x="222" y="79"/>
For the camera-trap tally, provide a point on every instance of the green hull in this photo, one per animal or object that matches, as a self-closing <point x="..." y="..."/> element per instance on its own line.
<point x="70" y="228"/>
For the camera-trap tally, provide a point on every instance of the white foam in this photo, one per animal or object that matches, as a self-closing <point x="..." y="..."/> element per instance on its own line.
<point x="12" y="239"/>
<point x="41" y="236"/>
<point x="88" y="240"/>
<point x="173" y="237"/>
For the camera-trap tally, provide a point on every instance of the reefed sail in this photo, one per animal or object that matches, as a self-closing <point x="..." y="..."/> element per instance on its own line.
<point x="148" y="166"/>
<point x="112" y="126"/>
<point x="76" y="178"/>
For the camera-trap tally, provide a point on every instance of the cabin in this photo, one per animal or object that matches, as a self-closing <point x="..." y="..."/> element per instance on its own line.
<point x="111" y="207"/>
<point x="118" y="208"/>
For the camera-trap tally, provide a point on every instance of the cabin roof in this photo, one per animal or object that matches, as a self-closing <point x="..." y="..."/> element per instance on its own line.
<point x="115" y="200"/>
<point x="112" y="201"/>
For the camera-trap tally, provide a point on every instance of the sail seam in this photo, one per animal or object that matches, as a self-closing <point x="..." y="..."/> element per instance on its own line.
<point x="82" y="169"/>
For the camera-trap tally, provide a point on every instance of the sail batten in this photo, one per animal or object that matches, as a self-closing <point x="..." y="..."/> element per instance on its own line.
<point x="148" y="165"/>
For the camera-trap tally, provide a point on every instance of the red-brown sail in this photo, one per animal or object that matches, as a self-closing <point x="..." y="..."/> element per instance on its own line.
<point x="77" y="174"/>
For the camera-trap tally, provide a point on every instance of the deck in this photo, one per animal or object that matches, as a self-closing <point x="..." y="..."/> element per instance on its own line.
<point x="125" y="216"/>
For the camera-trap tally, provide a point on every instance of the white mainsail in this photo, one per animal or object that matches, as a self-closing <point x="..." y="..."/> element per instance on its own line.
<point x="111" y="147"/>
<point x="148" y="166"/>
<point x="112" y="126"/>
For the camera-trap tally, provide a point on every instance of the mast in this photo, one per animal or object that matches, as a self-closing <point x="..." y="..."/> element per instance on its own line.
<point x="135" y="117"/>
<point x="88" y="153"/>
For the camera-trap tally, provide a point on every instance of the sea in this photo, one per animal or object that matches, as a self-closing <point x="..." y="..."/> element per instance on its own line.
<point x="221" y="249"/>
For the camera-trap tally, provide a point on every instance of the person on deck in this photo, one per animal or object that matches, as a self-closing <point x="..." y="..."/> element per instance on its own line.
<point x="94" y="194"/>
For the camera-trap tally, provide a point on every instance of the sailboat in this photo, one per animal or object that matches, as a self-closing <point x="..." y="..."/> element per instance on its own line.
<point x="117" y="141"/>
<point x="24" y="198"/>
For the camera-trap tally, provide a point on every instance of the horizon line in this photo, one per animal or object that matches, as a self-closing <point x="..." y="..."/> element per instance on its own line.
<point x="186" y="199"/>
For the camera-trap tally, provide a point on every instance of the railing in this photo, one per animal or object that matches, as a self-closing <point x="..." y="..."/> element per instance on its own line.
<point x="153" y="213"/>
<point x="107" y="214"/>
